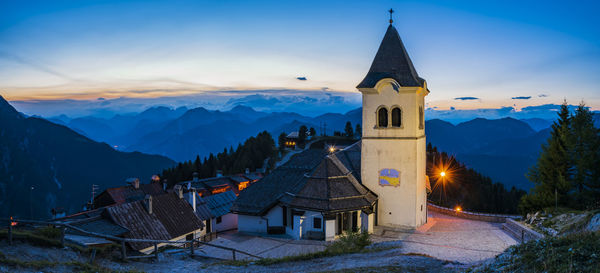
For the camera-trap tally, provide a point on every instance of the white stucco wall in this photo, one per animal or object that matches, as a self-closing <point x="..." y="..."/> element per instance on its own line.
<point x="402" y="149"/>
<point x="228" y="222"/>
<point x="249" y="223"/>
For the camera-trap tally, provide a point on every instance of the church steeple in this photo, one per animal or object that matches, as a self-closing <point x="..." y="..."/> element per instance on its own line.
<point x="392" y="61"/>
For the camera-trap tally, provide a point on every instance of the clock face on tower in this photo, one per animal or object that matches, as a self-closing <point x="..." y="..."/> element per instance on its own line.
<point x="389" y="177"/>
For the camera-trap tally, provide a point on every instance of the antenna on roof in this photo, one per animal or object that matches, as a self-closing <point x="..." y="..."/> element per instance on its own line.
<point x="391" y="11"/>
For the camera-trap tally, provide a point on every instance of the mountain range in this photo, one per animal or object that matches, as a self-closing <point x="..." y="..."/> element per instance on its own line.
<point x="44" y="165"/>
<point x="503" y="149"/>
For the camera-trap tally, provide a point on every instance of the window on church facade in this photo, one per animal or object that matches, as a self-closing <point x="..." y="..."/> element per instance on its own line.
<point x="382" y="117"/>
<point x="421" y="118"/>
<point x="396" y="117"/>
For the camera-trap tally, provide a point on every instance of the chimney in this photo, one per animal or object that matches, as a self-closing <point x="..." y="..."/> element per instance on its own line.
<point x="247" y="170"/>
<point x="135" y="182"/>
<point x="193" y="198"/>
<point x="195" y="177"/>
<point x="148" y="203"/>
<point x="219" y="173"/>
<point x="179" y="191"/>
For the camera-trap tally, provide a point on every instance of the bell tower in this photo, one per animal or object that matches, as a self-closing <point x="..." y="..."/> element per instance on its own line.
<point x="393" y="154"/>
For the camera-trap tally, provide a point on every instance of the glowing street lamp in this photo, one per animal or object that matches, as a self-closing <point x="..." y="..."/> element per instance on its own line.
<point x="442" y="174"/>
<point x="331" y="149"/>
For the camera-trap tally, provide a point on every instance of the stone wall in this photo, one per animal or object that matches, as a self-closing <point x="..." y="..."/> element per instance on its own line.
<point x="487" y="217"/>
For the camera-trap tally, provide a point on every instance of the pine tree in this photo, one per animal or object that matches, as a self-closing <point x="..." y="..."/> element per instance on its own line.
<point x="358" y="131"/>
<point x="302" y="134"/>
<point x="348" y="130"/>
<point x="313" y="132"/>
<point x="584" y="153"/>
<point x="552" y="172"/>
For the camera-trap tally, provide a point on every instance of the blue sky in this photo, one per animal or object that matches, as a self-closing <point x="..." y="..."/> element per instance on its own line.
<point x="473" y="54"/>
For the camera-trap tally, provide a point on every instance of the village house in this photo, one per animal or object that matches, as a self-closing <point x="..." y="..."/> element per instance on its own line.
<point x="221" y="183"/>
<point x="161" y="216"/>
<point x="132" y="192"/>
<point x="315" y="195"/>
<point x="214" y="210"/>
<point x="380" y="180"/>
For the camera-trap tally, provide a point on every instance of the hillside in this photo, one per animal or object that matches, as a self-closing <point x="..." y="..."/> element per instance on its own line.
<point x="44" y="165"/>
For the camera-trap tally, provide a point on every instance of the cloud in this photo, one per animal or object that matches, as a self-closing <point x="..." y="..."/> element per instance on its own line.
<point x="542" y="95"/>
<point x="521" y="98"/>
<point x="301" y="78"/>
<point x="466" y="98"/>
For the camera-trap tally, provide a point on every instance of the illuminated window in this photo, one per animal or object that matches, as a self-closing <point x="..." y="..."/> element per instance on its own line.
<point x="396" y="117"/>
<point x="219" y="190"/>
<point x="243" y="185"/>
<point x="382" y="117"/>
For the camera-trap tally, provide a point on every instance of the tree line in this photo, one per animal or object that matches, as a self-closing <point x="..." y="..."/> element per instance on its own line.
<point x="567" y="172"/>
<point x="466" y="188"/>
<point x="251" y="154"/>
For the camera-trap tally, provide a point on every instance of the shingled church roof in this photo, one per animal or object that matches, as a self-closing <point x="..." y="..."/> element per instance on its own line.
<point x="314" y="180"/>
<point x="392" y="61"/>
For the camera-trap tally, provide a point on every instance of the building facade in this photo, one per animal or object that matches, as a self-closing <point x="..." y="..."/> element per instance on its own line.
<point x="393" y="155"/>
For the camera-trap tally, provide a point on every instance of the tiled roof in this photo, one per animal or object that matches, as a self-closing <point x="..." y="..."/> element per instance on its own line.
<point x="171" y="217"/>
<point x="330" y="187"/>
<point x="96" y="220"/>
<point x="120" y="195"/>
<point x="392" y="61"/>
<point x="302" y="182"/>
<point x="202" y="209"/>
<point x="220" y="204"/>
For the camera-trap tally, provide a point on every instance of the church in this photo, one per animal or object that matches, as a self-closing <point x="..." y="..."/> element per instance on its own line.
<point x="377" y="181"/>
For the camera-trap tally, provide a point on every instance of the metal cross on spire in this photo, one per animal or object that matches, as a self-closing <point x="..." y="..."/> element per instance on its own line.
<point x="391" y="11"/>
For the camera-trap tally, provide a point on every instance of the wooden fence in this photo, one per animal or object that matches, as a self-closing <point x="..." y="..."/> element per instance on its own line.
<point x="64" y="226"/>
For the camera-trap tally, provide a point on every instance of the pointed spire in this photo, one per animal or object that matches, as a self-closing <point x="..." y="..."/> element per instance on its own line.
<point x="392" y="61"/>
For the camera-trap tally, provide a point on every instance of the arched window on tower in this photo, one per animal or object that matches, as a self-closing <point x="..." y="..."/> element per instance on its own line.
<point x="421" y="118"/>
<point x="382" y="117"/>
<point x="396" y="117"/>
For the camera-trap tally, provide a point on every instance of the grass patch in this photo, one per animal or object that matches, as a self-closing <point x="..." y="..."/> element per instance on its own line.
<point x="578" y="252"/>
<point x="33" y="237"/>
<point x="74" y="266"/>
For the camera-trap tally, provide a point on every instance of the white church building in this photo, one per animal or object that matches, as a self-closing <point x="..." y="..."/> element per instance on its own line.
<point x="378" y="181"/>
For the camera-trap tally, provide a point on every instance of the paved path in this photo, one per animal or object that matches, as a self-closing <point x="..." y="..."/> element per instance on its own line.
<point x="449" y="238"/>
<point x="443" y="237"/>
<point x="266" y="247"/>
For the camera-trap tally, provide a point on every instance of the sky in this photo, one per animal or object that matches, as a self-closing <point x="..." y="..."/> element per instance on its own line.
<point x="473" y="54"/>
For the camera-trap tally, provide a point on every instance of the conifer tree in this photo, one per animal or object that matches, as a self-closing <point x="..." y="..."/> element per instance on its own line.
<point x="348" y="130"/>
<point x="358" y="131"/>
<point x="552" y="172"/>
<point x="584" y="153"/>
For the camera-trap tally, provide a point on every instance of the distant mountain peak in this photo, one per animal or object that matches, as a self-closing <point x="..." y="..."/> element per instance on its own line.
<point x="242" y="108"/>
<point x="7" y="110"/>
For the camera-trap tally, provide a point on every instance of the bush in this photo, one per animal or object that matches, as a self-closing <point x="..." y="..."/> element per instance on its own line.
<point x="49" y="232"/>
<point x="579" y="252"/>
<point x="349" y="243"/>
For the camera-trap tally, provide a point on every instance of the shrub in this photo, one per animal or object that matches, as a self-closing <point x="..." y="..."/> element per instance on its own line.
<point x="350" y="243"/>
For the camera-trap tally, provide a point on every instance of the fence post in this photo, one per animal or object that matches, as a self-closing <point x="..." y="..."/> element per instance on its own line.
<point x="156" y="251"/>
<point x="10" y="235"/>
<point x="192" y="248"/>
<point x="233" y="251"/>
<point x="62" y="236"/>
<point x="123" y="250"/>
<point x="93" y="255"/>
